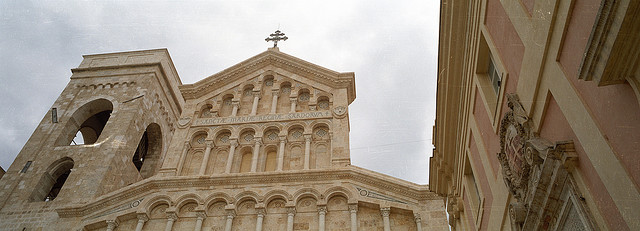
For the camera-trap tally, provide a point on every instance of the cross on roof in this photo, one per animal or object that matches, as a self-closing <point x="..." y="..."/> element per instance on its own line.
<point x="275" y="37"/>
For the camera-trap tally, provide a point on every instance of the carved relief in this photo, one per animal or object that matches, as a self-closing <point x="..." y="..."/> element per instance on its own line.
<point x="514" y="131"/>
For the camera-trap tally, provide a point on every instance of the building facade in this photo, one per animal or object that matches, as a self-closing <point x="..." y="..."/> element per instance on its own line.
<point x="262" y="145"/>
<point x="538" y="116"/>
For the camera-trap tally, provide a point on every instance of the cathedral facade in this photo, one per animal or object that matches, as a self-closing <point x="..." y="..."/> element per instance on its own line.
<point x="262" y="145"/>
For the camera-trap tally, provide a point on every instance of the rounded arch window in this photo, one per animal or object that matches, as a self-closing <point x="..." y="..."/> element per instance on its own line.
<point x="323" y="103"/>
<point x="87" y="123"/>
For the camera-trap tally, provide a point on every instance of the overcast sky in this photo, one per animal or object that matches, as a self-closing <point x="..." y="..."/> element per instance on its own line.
<point x="390" y="45"/>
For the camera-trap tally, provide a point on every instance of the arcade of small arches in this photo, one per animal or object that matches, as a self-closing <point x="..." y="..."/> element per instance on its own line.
<point x="266" y="95"/>
<point x="306" y="209"/>
<point x="257" y="148"/>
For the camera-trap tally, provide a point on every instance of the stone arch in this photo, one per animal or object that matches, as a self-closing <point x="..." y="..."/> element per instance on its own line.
<point x="219" y="129"/>
<point x="247" y="195"/>
<point x="284" y="102"/>
<point x="245" y="127"/>
<point x="272" y="125"/>
<point x="88" y="120"/>
<point x="270" y="157"/>
<point x="148" y="154"/>
<point x="275" y="194"/>
<point x="321" y="122"/>
<point x="338" y="191"/>
<point x="306" y="192"/>
<point x="304" y="99"/>
<point x="226" y="104"/>
<point x="199" y="131"/>
<point x="222" y="136"/>
<point x="53" y="180"/>
<point x="219" y="196"/>
<point x="154" y="201"/>
<point x="187" y="198"/>
<point x="291" y="125"/>
<point x="323" y="102"/>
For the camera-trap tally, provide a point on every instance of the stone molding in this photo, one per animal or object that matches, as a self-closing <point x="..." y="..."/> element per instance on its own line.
<point x="381" y="182"/>
<point x="273" y="58"/>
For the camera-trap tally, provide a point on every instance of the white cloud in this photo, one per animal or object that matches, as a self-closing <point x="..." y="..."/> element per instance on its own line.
<point x="390" y="45"/>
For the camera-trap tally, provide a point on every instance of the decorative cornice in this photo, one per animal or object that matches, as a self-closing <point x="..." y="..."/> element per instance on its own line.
<point x="143" y="188"/>
<point x="277" y="59"/>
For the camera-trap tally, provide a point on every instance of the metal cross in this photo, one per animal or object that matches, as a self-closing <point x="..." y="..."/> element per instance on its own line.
<point x="275" y="37"/>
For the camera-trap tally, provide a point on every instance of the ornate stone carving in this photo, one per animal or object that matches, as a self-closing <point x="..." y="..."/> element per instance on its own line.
<point x="143" y="217"/>
<point x="340" y="112"/>
<point x="385" y="211"/>
<point x="184" y="122"/>
<point x="172" y="216"/>
<point x="514" y="132"/>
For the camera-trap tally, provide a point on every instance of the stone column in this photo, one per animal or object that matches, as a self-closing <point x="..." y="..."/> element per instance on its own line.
<point x="171" y="217"/>
<point x="256" y="151"/>
<point x="256" y="99"/>
<point x="232" y="151"/>
<point x="322" y="211"/>
<point x="235" y="104"/>
<point x="185" y="149"/>
<point x="230" y="215"/>
<point x="293" y="105"/>
<point x="200" y="218"/>
<point x="307" y="150"/>
<point x="283" y="141"/>
<point x="205" y="159"/>
<point x="261" y="213"/>
<point x="111" y="225"/>
<point x="142" y="218"/>
<point x="385" y="218"/>
<point x="418" y="219"/>
<point x="353" y="209"/>
<point x="274" y="100"/>
<point x="290" y="213"/>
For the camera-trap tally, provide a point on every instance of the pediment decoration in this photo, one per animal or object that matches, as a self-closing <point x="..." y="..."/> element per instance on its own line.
<point x="274" y="58"/>
<point x="537" y="173"/>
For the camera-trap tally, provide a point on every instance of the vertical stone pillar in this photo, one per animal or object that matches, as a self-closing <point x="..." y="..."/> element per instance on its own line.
<point x="418" y="219"/>
<point x="256" y="152"/>
<point x="274" y="100"/>
<point x="230" y="215"/>
<point x="201" y="215"/>
<point x="322" y="211"/>
<point x="283" y="141"/>
<point x="185" y="149"/>
<point x="353" y="209"/>
<point x="256" y="99"/>
<point x="293" y="105"/>
<point x="205" y="159"/>
<point x="307" y="150"/>
<point x="142" y="218"/>
<point x="385" y="218"/>
<point x="111" y="225"/>
<point x="232" y="151"/>
<point x="291" y="211"/>
<point x="235" y="104"/>
<point x="171" y="218"/>
<point x="261" y="213"/>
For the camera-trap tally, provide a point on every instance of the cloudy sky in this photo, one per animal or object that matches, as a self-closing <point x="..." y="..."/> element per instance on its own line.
<point x="390" y="45"/>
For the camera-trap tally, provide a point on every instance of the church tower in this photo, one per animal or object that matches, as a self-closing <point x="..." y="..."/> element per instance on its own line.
<point x="261" y="145"/>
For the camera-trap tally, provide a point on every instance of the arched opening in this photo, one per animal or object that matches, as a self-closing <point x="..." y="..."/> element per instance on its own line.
<point x="206" y="111"/>
<point x="53" y="180"/>
<point x="87" y="123"/>
<point x="304" y="95"/>
<point x="323" y="103"/>
<point x="245" y="163"/>
<point x="246" y="101"/>
<point x="227" y="106"/>
<point x="284" y="102"/>
<point x="270" y="160"/>
<point x="147" y="155"/>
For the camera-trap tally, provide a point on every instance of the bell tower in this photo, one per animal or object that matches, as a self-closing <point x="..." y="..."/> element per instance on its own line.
<point x="110" y="127"/>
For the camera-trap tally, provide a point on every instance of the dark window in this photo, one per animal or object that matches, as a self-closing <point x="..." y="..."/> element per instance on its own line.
<point x="141" y="152"/>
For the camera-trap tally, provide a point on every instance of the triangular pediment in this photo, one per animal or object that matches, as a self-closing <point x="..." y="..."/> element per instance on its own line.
<point x="271" y="59"/>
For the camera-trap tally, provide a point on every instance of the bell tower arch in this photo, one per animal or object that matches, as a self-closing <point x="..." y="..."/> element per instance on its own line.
<point x="124" y="106"/>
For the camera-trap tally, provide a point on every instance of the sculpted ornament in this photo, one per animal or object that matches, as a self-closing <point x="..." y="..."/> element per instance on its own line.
<point x="184" y="122"/>
<point x="514" y="132"/>
<point x="340" y="112"/>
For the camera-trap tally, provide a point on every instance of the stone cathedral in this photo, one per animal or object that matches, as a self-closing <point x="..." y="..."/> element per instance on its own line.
<point x="261" y="145"/>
